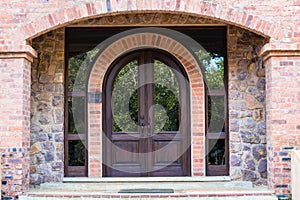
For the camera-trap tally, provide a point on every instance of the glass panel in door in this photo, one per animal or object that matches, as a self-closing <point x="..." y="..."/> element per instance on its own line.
<point x="125" y="99"/>
<point x="166" y="98"/>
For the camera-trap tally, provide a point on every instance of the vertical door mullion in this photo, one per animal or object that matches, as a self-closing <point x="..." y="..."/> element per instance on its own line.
<point x="86" y="137"/>
<point x="66" y="142"/>
<point x="142" y="111"/>
<point x="108" y="123"/>
<point x="184" y="123"/>
<point x="150" y="111"/>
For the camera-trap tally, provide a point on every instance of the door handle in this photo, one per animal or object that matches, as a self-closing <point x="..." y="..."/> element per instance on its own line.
<point x="149" y="130"/>
<point x="142" y="129"/>
<point x="145" y="128"/>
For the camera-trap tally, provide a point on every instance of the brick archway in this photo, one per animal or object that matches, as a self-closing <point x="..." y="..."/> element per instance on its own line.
<point x="222" y="12"/>
<point x="185" y="57"/>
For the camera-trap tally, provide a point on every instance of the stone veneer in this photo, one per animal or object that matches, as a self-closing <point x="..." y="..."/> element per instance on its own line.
<point x="246" y="93"/>
<point x="47" y="109"/>
<point x="246" y="96"/>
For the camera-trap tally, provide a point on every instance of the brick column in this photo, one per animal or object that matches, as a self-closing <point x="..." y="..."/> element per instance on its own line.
<point x="15" y="119"/>
<point x="283" y="115"/>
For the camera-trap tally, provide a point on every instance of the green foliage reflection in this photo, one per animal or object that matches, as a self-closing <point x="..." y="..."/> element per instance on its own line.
<point x="166" y="97"/>
<point x="213" y="66"/>
<point x="76" y="113"/>
<point x="78" y="69"/>
<point x="76" y="153"/>
<point x="126" y="104"/>
<point x="216" y="155"/>
<point x="216" y="114"/>
<point x="125" y="108"/>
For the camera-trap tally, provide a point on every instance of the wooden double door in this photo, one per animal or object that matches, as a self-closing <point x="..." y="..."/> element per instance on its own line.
<point x="146" y="116"/>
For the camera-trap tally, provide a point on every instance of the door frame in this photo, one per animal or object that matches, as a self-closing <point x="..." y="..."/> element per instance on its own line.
<point x="109" y="77"/>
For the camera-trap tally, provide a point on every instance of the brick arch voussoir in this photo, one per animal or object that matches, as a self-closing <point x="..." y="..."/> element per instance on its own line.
<point x="218" y="11"/>
<point x="152" y="40"/>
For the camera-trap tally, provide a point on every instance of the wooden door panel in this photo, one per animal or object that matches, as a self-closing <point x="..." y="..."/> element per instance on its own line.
<point x="166" y="152"/>
<point x="217" y="170"/>
<point x="125" y="158"/>
<point x="76" y="171"/>
<point x="126" y="152"/>
<point x="125" y="171"/>
<point x="171" y="170"/>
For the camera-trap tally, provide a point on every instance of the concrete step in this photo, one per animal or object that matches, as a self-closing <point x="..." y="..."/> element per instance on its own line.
<point x="217" y="195"/>
<point x="114" y="185"/>
<point x="149" y="188"/>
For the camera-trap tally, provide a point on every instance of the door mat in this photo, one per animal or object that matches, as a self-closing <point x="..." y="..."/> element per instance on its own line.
<point x="145" y="190"/>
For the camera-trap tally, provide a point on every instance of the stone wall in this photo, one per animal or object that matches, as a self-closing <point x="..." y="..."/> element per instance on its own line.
<point x="246" y="94"/>
<point x="47" y="109"/>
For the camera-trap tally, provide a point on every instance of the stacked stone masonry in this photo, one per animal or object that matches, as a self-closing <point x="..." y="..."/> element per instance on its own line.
<point x="246" y="98"/>
<point x="47" y="109"/>
<point x="264" y="123"/>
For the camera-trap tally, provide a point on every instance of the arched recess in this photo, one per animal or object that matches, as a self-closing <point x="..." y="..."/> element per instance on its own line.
<point x="148" y="38"/>
<point x="220" y="11"/>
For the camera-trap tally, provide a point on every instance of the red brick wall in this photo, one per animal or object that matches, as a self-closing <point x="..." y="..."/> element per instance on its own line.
<point x="283" y="118"/>
<point x="34" y="17"/>
<point x="14" y="125"/>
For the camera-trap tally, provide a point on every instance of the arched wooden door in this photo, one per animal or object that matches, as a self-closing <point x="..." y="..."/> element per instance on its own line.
<point x="146" y="116"/>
